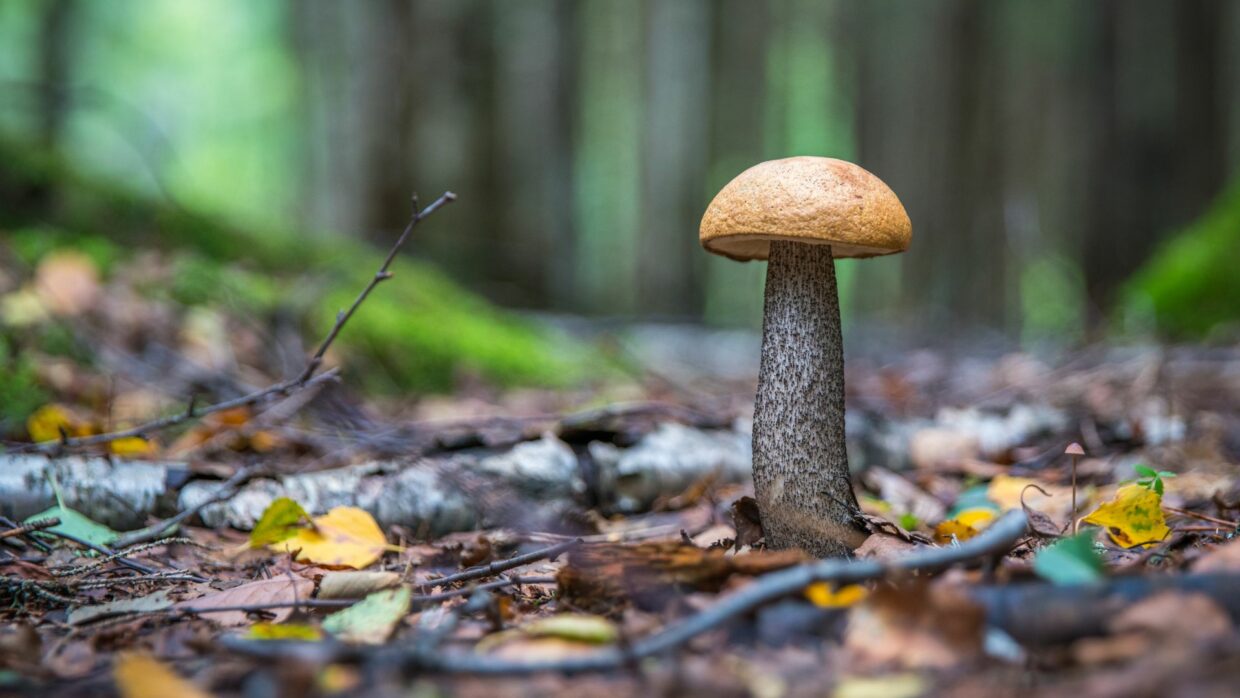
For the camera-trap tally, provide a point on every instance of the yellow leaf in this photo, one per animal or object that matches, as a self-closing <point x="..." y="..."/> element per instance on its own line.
<point x="1133" y="518"/>
<point x="141" y="676"/>
<point x="967" y="524"/>
<point x="284" y="631"/>
<point x="132" y="446"/>
<point x="47" y="422"/>
<point x="822" y="595"/>
<point x="343" y="537"/>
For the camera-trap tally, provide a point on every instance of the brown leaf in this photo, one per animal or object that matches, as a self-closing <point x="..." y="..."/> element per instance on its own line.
<point x="284" y="588"/>
<point x="1224" y="558"/>
<point x="1040" y="523"/>
<point x="916" y="625"/>
<point x="747" y="521"/>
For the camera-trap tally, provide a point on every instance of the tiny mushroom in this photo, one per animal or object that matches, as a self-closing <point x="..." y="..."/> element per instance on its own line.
<point x="800" y="214"/>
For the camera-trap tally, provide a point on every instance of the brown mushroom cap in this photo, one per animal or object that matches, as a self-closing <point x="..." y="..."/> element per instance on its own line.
<point x="805" y="199"/>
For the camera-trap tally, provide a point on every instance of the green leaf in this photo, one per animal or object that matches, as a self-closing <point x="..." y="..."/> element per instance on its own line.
<point x="76" y="525"/>
<point x="1145" y="470"/>
<point x="372" y="619"/>
<point x="1071" y="560"/>
<point x="1158" y="486"/>
<point x="281" y="521"/>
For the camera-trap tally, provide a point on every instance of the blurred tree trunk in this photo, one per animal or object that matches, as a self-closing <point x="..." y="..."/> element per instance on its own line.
<point x="675" y="151"/>
<point x="57" y="25"/>
<point x="533" y="145"/>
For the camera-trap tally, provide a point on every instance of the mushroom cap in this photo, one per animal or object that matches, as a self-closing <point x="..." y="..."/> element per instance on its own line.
<point x="806" y="199"/>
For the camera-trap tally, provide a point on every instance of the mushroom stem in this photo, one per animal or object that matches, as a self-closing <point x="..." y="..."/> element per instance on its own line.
<point x="800" y="466"/>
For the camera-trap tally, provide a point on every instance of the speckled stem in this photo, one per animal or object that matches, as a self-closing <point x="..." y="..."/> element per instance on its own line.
<point x="800" y="467"/>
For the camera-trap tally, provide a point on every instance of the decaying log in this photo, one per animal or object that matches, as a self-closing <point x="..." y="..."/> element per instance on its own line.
<point x="430" y="496"/>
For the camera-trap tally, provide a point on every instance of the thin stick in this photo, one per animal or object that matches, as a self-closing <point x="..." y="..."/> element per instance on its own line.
<point x="995" y="540"/>
<point x="30" y="527"/>
<point x="1203" y="517"/>
<point x="502" y="566"/>
<point x="285" y="388"/>
<point x="160" y="529"/>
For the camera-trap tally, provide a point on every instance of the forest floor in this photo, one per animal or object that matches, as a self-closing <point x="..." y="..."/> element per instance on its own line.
<point x="598" y="540"/>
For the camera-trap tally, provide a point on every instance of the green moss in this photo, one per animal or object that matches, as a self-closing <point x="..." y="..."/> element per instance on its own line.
<point x="1191" y="287"/>
<point x="20" y="392"/>
<point x="418" y="331"/>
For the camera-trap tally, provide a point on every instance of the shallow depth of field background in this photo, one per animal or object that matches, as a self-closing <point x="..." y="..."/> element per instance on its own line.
<point x="1065" y="164"/>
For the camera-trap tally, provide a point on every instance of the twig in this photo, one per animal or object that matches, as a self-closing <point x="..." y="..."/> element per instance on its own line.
<point x="158" y="530"/>
<point x="995" y="540"/>
<point x="30" y="527"/>
<point x="285" y="388"/>
<point x="1203" y="517"/>
<point x="118" y="557"/>
<point x="501" y="566"/>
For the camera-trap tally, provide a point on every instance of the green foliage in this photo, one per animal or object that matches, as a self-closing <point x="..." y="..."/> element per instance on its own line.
<point x="20" y="392"/>
<point x="1189" y="287"/>
<point x="1152" y="479"/>
<point x="419" y="331"/>
<point x="76" y="524"/>
<point x="280" y="521"/>
<point x="1072" y="560"/>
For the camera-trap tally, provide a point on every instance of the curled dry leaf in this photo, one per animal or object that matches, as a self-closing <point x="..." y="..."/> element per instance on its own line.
<point x="355" y="585"/>
<point x="1040" y="524"/>
<point x="747" y="521"/>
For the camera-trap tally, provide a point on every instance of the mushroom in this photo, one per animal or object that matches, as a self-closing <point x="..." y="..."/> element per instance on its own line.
<point x="801" y="214"/>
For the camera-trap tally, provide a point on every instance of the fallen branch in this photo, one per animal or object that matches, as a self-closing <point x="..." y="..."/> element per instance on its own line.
<point x="994" y="541"/>
<point x="305" y="379"/>
<point x="549" y="553"/>
<point x="161" y="528"/>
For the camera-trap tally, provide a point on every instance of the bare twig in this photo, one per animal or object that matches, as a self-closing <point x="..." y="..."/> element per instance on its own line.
<point x="1232" y="525"/>
<point x="494" y="568"/>
<point x="30" y="527"/>
<point x="994" y="541"/>
<point x="162" y="528"/>
<point x="282" y="389"/>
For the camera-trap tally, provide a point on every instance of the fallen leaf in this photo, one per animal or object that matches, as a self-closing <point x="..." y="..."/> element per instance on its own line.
<point x="1014" y="493"/>
<point x="886" y="686"/>
<point x="1133" y="518"/>
<point x="371" y="620"/>
<point x="355" y="585"/>
<point x="284" y="631"/>
<point x="581" y="627"/>
<point x="343" y="537"/>
<point x="280" y="521"/>
<point x="132" y="446"/>
<point x="142" y="676"/>
<point x="903" y="496"/>
<point x="964" y="526"/>
<point x="823" y="595"/>
<point x="282" y="589"/>
<point x="77" y="525"/>
<point x="47" y="423"/>
<point x="919" y="625"/>
<point x="1071" y="560"/>
<point x="1224" y="558"/>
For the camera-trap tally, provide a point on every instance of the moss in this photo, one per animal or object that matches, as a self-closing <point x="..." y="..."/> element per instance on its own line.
<point x="1190" y="288"/>
<point x="20" y="392"/>
<point x="419" y="331"/>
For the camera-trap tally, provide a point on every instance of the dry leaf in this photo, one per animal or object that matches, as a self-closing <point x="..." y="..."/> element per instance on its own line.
<point x="355" y="585"/>
<point x="345" y="537"/>
<point x="1224" y="558"/>
<point x="1133" y="518"/>
<point x="916" y="626"/>
<point x="142" y="676"/>
<point x="1011" y="493"/>
<point x="823" y="595"/>
<point x="967" y="524"/>
<point x="277" y="589"/>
